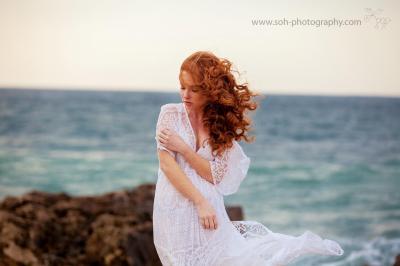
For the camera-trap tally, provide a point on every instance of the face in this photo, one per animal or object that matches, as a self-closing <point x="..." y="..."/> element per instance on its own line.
<point x="190" y="94"/>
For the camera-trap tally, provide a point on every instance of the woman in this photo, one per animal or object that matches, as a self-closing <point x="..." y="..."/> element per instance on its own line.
<point x="200" y="161"/>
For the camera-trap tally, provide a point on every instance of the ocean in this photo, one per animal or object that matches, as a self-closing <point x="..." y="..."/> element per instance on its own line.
<point x="326" y="164"/>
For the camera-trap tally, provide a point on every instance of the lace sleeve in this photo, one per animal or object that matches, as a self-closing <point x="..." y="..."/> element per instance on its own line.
<point x="166" y="119"/>
<point x="229" y="169"/>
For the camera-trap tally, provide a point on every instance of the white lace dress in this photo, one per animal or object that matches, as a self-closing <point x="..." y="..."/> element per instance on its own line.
<point x="179" y="238"/>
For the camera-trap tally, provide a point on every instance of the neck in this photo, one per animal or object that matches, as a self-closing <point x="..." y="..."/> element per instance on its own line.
<point x="195" y="114"/>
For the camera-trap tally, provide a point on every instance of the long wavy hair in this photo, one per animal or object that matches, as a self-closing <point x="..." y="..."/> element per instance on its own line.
<point x="224" y="112"/>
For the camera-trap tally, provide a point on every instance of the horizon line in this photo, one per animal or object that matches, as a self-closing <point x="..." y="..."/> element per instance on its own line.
<point x="150" y="90"/>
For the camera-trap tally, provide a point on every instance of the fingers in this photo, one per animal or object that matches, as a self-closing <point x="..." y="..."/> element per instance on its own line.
<point x="163" y="136"/>
<point x="206" y="223"/>
<point x="215" y="222"/>
<point x="166" y="133"/>
<point x="209" y="222"/>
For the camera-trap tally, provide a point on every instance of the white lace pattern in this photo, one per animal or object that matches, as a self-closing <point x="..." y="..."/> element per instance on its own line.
<point x="179" y="238"/>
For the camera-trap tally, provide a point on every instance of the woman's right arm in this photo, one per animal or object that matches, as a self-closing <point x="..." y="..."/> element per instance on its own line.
<point x="181" y="182"/>
<point x="178" y="178"/>
<point x="168" y="119"/>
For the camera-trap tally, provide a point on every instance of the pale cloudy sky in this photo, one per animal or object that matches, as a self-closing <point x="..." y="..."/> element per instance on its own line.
<point x="139" y="45"/>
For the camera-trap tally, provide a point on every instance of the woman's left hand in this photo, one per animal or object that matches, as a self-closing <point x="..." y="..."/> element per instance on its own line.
<point x="171" y="140"/>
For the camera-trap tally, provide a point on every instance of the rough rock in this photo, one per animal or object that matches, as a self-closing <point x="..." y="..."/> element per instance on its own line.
<point x="41" y="228"/>
<point x="397" y="261"/>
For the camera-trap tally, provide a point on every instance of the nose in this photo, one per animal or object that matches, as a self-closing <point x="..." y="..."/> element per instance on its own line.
<point x="186" y="94"/>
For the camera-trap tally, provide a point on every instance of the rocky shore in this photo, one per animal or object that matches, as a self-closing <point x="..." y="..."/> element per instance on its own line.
<point x="40" y="228"/>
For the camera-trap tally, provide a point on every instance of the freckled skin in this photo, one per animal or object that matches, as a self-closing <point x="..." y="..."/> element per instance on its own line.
<point x="191" y="94"/>
<point x="194" y="102"/>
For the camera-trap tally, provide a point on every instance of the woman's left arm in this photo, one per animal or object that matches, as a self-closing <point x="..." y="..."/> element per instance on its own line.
<point x="225" y="171"/>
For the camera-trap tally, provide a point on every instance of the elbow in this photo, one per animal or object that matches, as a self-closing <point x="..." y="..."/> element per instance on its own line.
<point x="209" y="178"/>
<point x="205" y="175"/>
<point x="208" y="175"/>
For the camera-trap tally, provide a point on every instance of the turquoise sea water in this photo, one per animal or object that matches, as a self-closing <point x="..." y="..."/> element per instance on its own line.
<point x="326" y="164"/>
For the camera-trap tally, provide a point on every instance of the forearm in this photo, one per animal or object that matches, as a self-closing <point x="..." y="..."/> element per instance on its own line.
<point x="178" y="178"/>
<point x="198" y="163"/>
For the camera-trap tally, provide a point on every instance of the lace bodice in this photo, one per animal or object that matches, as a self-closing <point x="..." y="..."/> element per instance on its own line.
<point x="228" y="169"/>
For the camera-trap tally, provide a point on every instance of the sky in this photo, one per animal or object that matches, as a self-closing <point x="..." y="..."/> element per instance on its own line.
<point x="140" y="45"/>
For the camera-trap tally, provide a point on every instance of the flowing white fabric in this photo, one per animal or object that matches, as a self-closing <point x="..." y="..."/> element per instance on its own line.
<point x="179" y="238"/>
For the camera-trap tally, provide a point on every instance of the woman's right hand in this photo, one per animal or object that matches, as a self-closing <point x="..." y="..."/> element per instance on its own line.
<point x="207" y="215"/>
<point x="171" y="140"/>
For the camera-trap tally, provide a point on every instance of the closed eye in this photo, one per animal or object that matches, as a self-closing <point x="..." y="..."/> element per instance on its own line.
<point x="194" y="89"/>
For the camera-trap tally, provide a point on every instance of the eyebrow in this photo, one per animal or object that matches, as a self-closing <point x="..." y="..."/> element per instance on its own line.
<point x="193" y="86"/>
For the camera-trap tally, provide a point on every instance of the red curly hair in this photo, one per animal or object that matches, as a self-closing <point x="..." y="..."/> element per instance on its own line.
<point x="224" y="111"/>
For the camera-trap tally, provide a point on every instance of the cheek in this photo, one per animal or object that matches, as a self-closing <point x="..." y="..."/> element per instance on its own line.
<point x="201" y="98"/>
<point x="198" y="97"/>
